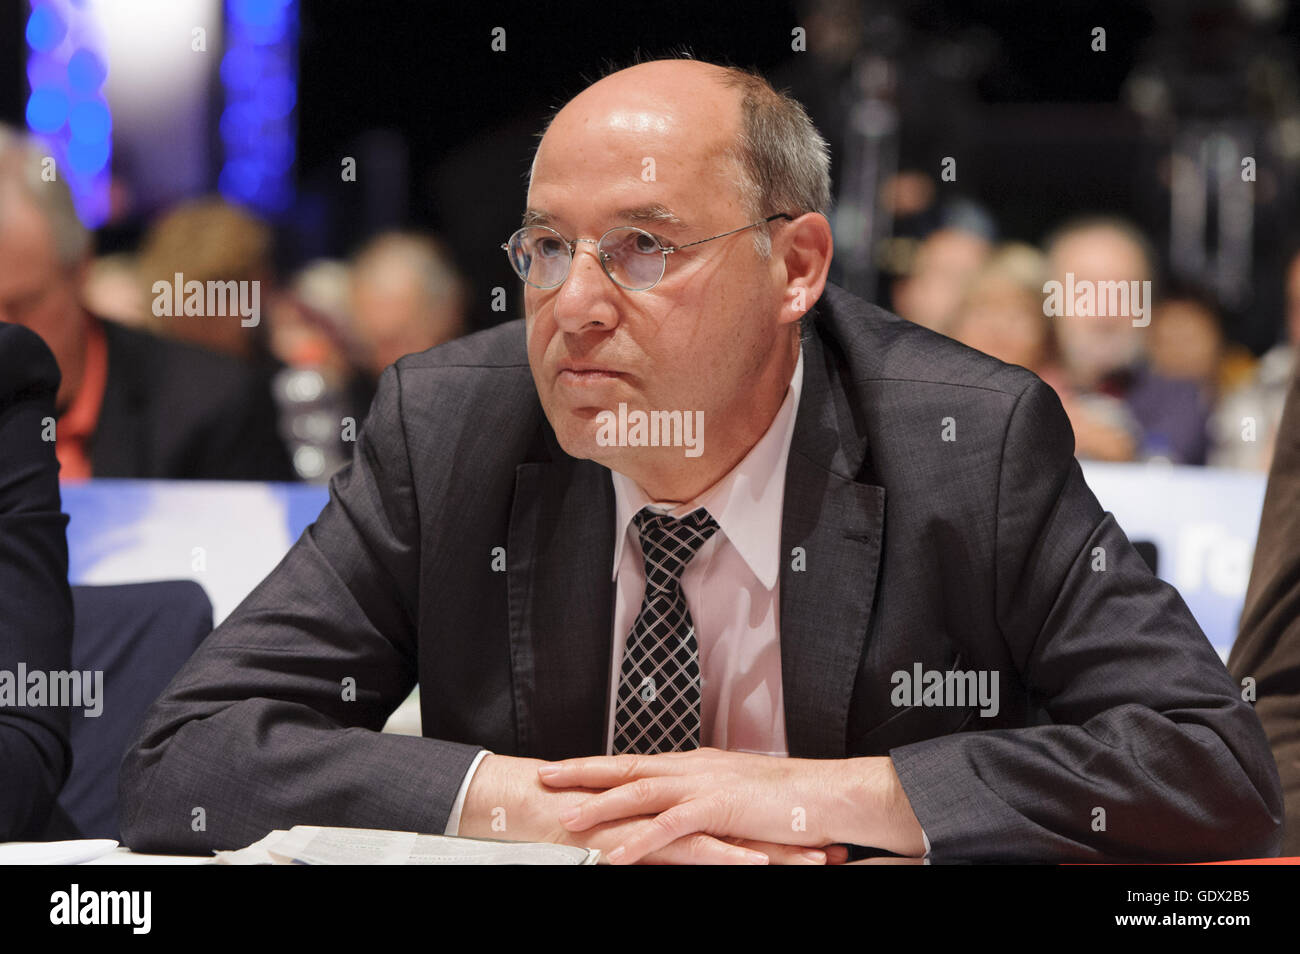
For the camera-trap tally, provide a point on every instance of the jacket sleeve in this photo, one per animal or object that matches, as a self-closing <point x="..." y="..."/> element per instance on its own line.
<point x="1267" y="648"/>
<point x="1150" y="754"/>
<point x="35" y="602"/>
<point x="275" y="720"/>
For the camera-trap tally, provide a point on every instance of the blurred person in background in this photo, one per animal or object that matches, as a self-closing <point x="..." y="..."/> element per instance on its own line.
<point x="1119" y="407"/>
<point x="113" y="290"/>
<point x="204" y="240"/>
<point x="130" y="404"/>
<point x="1187" y="342"/>
<point x="311" y="324"/>
<point x="931" y="290"/>
<point x="406" y="297"/>
<point x="1245" y="424"/>
<point x="322" y="391"/>
<point x="1002" y="312"/>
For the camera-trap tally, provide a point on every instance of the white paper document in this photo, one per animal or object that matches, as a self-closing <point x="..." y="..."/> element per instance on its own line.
<point x="312" y="845"/>
<point x="55" y="852"/>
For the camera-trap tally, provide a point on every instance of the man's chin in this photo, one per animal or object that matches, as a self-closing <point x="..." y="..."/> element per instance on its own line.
<point x="578" y="439"/>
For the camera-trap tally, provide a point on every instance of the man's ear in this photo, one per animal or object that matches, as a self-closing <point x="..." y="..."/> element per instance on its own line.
<point x="805" y="246"/>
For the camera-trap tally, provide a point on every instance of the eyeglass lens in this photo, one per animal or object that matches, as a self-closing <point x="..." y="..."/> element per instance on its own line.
<point x="630" y="256"/>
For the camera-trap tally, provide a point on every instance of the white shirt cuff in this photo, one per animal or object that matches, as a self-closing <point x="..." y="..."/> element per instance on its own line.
<point x="453" y="820"/>
<point x="925" y="838"/>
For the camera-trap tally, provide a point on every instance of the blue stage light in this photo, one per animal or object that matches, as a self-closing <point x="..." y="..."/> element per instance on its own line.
<point x="241" y="69"/>
<point x="88" y="157"/>
<point x="45" y="28"/>
<point x="86" y="72"/>
<point x="266" y="21"/>
<point x="47" y="109"/>
<point x="66" y="109"/>
<point x="259" y="73"/>
<point x="90" y="121"/>
<point x="278" y="97"/>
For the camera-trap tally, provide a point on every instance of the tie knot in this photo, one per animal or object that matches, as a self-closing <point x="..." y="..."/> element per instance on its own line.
<point x="669" y="543"/>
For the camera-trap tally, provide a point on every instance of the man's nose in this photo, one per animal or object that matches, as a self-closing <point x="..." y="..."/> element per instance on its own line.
<point x="587" y="297"/>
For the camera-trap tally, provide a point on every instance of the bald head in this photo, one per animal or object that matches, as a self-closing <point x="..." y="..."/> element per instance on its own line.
<point x="759" y="144"/>
<point x="657" y="95"/>
<point x="654" y="122"/>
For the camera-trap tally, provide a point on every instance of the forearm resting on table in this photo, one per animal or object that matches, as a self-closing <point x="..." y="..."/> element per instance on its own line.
<point x="865" y="804"/>
<point x="507" y="792"/>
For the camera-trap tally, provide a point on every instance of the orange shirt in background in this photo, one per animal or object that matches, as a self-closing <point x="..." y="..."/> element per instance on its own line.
<point x="77" y="424"/>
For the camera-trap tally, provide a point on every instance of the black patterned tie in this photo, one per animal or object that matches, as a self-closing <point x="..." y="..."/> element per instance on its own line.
<point x="659" y="685"/>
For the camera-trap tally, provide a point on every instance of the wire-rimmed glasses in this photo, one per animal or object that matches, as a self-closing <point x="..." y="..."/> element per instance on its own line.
<point x="632" y="257"/>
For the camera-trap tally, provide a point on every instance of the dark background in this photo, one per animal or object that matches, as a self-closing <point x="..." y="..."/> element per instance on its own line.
<point x="443" y="127"/>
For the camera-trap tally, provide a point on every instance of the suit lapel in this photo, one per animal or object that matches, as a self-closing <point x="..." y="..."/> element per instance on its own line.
<point x="837" y="521"/>
<point x="559" y="559"/>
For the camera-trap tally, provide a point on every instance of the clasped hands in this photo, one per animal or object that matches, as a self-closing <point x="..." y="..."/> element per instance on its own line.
<point x="713" y="806"/>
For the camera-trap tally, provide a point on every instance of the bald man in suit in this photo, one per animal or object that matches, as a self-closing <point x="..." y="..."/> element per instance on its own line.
<point x="870" y="602"/>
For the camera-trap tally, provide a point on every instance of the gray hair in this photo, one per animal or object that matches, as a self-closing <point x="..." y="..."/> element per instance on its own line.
<point x="22" y="168"/>
<point x="1106" y="222"/>
<point x="782" y="164"/>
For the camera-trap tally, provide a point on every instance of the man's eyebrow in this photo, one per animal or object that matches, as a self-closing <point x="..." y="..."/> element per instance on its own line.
<point x="655" y="214"/>
<point x="658" y="214"/>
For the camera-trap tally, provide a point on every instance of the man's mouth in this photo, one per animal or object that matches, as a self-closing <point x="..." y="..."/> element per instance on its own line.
<point x="578" y="374"/>
<point x="589" y="375"/>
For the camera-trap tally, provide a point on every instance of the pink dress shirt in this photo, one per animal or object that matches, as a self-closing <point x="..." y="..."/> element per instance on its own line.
<point x="732" y="588"/>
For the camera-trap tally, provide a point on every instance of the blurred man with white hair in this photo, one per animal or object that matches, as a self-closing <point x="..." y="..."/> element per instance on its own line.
<point x="1119" y="407"/>
<point x="130" y="404"/>
<point x="406" y="297"/>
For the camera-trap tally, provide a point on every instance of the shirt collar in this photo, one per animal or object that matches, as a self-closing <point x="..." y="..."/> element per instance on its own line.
<point x="80" y="417"/>
<point x="746" y="503"/>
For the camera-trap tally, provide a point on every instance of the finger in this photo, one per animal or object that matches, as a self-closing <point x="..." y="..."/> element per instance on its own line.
<point x="702" y="849"/>
<point x="607" y="771"/>
<point x="836" y="854"/>
<point x="644" y="796"/>
<point x="661" y="831"/>
<point x="785" y="854"/>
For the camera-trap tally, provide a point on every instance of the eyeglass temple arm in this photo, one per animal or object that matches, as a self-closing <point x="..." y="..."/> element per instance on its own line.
<point x="752" y="225"/>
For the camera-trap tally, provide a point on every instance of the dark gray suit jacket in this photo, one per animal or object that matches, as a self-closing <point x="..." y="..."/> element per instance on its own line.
<point x="35" y="601"/>
<point x="975" y="554"/>
<point x="175" y="411"/>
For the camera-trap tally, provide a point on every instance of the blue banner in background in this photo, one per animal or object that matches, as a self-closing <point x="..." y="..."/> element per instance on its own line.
<point x="1203" y="522"/>
<point x="225" y="536"/>
<point x="229" y="536"/>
